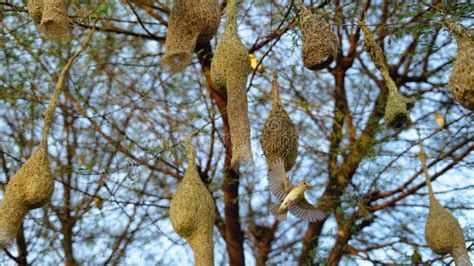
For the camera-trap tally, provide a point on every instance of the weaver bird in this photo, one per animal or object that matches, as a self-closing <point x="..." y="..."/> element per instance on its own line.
<point x="254" y="62"/>
<point x="292" y="197"/>
<point x="439" y="119"/>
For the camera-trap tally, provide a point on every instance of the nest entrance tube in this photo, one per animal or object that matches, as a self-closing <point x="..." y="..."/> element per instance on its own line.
<point x="230" y="68"/>
<point x="192" y="212"/>
<point x="396" y="111"/>
<point x="32" y="186"/>
<point x="443" y="232"/>
<point x="397" y="108"/>
<point x="320" y="43"/>
<point x="461" y="80"/>
<point x="279" y="137"/>
<point x="55" y="21"/>
<point x="191" y="21"/>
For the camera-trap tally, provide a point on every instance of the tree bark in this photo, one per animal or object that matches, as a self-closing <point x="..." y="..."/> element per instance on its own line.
<point x="67" y="221"/>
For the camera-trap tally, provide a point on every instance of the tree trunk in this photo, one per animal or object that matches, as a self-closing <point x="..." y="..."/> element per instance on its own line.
<point x="234" y="236"/>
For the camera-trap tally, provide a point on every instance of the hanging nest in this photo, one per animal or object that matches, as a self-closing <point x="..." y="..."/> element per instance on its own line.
<point x="320" y="44"/>
<point x="397" y="109"/>
<point x="55" y="21"/>
<point x="192" y="212"/>
<point x="35" y="9"/>
<point x="230" y="68"/>
<point x="461" y="81"/>
<point x="33" y="185"/>
<point x="443" y="233"/>
<point x="30" y="188"/>
<point x="190" y="21"/>
<point x="279" y="138"/>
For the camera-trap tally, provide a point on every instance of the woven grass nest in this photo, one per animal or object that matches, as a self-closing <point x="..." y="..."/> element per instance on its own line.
<point x="461" y="81"/>
<point x="192" y="212"/>
<point x="32" y="186"/>
<point x="54" y="19"/>
<point x="320" y="43"/>
<point x="190" y="21"/>
<point x="443" y="233"/>
<point x="230" y="68"/>
<point x="397" y="108"/>
<point x="35" y="9"/>
<point x="279" y="137"/>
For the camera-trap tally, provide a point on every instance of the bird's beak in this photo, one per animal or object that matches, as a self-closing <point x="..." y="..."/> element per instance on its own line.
<point x="308" y="186"/>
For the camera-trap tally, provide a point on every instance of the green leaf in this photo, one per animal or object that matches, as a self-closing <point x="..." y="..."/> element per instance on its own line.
<point x="102" y="9"/>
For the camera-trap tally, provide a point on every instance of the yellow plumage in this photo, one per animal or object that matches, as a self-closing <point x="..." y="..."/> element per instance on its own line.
<point x="439" y="119"/>
<point x="255" y="64"/>
<point x="98" y="202"/>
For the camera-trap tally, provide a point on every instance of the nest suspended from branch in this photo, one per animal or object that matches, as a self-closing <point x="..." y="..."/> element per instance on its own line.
<point x="397" y="109"/>
<point x="461" y="81"/>
<point x="279" y="137"/>
<point x="33" y="185"/>
<point x="30" y="188"/>
<point x="443" y="233"/>
<point x="55" y="21"/>
<point x="320" y="43"/>
<point x="35" y="9"/>
<point x="192" y="212"/>
<point x="230" y="68"/>
<point x="190" y="21"/>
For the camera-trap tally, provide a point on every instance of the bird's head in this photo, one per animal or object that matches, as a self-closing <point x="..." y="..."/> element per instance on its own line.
<point x="304" y="185"/>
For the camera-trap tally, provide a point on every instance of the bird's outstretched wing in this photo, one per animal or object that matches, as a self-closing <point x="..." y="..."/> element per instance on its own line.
<point x="306" y="211"/>
<point x="278" y="181"/>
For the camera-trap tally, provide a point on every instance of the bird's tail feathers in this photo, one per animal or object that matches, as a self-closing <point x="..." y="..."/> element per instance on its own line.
<point x="275" y="210"/>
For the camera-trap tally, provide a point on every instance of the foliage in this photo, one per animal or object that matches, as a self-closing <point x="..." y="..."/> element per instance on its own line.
<point x="122" y="118"/>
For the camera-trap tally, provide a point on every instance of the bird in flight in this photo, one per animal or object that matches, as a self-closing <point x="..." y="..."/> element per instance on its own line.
<point x="292" y="197"/>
